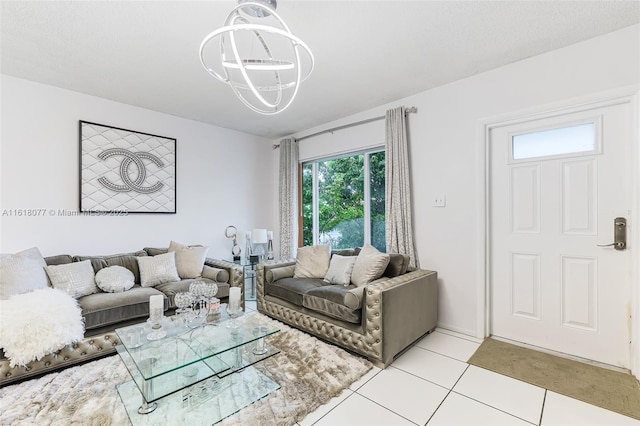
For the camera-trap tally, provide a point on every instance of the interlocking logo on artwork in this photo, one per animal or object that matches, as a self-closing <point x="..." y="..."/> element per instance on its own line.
<point x="129" y="158"/>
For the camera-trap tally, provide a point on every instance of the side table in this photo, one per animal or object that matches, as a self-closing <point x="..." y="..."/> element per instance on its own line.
<point x="249" y="270"/>
<point x="250" y="275"/>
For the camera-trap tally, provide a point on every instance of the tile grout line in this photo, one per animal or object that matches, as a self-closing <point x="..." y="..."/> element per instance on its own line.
<point x="367" y="381"/>
<point x="427" y="380"/>
<point x="352" y="392"/>
<point x="544" y="400"/>
<point x="491" y="406"/>
<point x="446" y="396"/>
<point x="386" y="408"/>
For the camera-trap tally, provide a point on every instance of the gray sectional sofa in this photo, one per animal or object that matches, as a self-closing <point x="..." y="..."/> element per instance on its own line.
<point x="104" y="312"/>
<point x="378" y="320"/>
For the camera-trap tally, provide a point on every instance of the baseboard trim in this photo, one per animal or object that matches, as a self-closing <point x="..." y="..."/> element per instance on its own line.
<point x="460" y="332"/>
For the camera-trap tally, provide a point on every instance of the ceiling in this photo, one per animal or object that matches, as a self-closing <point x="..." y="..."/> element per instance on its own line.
<point x="367" y="53"/>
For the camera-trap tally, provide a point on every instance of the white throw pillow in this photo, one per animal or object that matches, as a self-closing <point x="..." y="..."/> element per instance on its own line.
<point x="369" y="266"/>
<point x="22" y="272"/>
<point x="189" y="260"/>
<point x="340" y="269"/>
<point x="115" y="279"/>
<point x="312" y="261"/>
<point x="76" y="279"/>
<point x="38" y="323"/>
<point x="158" y="269"/>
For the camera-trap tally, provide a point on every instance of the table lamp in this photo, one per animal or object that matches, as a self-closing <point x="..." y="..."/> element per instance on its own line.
<point x="259" y="239"/>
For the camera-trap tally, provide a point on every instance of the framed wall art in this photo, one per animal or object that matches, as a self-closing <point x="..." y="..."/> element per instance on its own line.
<point x="126" y="171"/>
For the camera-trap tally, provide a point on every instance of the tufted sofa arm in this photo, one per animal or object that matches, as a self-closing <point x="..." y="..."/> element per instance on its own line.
<point x="395" y="313"/>
<point x="236" y="275"/>
<point x="263" y="271"/>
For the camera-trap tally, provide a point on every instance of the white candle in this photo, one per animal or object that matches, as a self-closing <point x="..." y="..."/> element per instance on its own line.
<point x="156" y="305"/>
<point x="234" y="297"/>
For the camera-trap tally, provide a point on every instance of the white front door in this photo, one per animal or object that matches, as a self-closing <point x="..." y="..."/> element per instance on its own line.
<point x="557" y="184"/>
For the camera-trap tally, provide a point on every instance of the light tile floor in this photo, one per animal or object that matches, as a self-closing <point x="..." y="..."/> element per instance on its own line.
<point x="431" y="384"/>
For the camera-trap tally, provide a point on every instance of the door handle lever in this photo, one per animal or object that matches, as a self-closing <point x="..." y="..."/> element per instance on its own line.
<point x="619" y="234"/>
<point x="617" y="244"/>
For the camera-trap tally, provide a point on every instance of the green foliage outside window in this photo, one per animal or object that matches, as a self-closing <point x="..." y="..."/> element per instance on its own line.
<point x="341" y="193"/>
<point x="378" y="223"/>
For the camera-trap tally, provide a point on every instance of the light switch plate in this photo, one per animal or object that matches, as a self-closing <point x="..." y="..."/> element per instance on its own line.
<point x="439" y="201"/>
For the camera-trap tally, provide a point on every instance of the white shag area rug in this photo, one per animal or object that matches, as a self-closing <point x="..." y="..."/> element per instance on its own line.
<point x="309" y="371"/>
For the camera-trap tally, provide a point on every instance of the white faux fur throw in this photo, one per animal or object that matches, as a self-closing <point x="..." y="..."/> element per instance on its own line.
<point x="37" y="323"/>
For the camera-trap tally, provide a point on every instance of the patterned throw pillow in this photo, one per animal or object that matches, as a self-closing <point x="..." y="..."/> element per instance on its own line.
<point x="340" y="270"/>
<point x="189" y="260"/>
<point x="115" y="279"/>
<point x="370" y="265"/>
<point x="76" y="279"/>
<point x="158" y="269"/>
<point x="22" y="272"/>
<point x="312" y="261"/>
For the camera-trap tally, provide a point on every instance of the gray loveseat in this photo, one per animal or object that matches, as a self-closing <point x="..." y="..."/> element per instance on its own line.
<point x="378" y="320"/>
<point x="104" y="312"/>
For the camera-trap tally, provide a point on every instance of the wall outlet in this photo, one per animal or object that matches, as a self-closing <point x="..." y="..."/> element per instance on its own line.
<point x="439" y="201"/>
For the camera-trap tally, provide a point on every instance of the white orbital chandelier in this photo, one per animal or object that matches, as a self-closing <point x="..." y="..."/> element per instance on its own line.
<point x="261" y="62"/>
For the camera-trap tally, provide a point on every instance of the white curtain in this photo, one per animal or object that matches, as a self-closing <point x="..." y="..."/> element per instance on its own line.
<point x="288" y="198"/>
<point x="399" y="225"/>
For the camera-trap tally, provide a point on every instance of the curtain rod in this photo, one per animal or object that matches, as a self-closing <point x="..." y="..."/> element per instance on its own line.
<point x="346" y="126"/>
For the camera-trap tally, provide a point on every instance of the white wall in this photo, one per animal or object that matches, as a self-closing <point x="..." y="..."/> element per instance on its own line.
<point x="220" y="176"/>
<point x="444" y="144"/>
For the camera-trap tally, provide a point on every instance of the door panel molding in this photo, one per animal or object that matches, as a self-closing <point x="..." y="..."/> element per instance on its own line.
<point x="579" y="194"/>
<point x="525" y="280"/>
<point x="577" y="310"/>
<point x="525" y="189"/>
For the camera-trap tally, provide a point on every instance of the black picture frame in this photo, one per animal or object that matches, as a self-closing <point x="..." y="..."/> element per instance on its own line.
<point x="125" y="171"/>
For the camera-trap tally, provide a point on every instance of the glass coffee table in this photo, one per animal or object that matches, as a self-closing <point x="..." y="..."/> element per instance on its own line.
<point x="194" y="376"/>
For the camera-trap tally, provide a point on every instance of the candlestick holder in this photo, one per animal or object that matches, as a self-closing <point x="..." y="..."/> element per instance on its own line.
<point x="156" y="305"/>
<point x="234" y="311"/>
<point x="157" y="332"/>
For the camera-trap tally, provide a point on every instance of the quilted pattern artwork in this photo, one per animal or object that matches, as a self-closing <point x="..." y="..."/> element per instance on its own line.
<point x="126" y="171"/>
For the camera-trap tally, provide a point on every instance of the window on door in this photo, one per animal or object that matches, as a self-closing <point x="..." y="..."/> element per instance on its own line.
<point x="343" y="200"/>
<point x="571" y="140"/>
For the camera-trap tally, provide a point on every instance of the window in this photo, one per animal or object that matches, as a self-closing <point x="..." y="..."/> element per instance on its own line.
<point x="574" y="139"/>
<point x="343" y="201"/>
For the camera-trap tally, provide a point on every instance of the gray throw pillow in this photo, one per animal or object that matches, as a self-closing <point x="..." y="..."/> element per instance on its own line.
<point x="158" y="269"/>
<point x="115" y="279"/>
<point x="312" y="261"/>
<point x="76" y="279"/>
<point x="370" y="265"/>
<point x="22" y="272"/>
<point x="340" y="269"/>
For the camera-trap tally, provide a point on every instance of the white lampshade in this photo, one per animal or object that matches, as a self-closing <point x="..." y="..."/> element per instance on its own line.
<point x="259" y="236"/>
